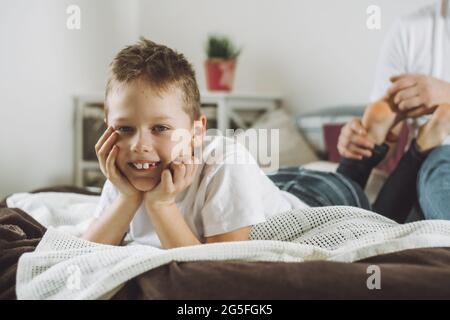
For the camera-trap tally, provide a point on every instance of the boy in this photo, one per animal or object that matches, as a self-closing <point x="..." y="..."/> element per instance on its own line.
<point x="156" y="190"/>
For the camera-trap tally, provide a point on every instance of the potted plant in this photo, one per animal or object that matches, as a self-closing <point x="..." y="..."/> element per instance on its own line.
<point x="221" y="63"/>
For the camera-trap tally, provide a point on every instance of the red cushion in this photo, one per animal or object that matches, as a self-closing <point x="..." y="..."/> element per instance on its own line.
<point x="331" y="133"/>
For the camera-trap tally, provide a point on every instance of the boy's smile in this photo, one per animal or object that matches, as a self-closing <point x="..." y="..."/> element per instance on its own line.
<point x="145" y="120"/>
<point x="144" y="166"/>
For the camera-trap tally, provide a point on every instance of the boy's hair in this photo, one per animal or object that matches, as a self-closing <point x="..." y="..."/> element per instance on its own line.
<point x="159" y="66"/>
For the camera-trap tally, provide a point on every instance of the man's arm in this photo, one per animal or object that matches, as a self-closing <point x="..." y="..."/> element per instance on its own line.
<point x="111" y="226"/>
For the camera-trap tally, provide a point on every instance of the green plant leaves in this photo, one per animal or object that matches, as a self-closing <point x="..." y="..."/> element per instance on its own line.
<point x="221" y="46"/>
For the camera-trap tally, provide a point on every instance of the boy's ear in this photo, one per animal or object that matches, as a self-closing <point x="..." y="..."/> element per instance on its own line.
<point x="198" y="132"/>
<point x="200" y="125"/>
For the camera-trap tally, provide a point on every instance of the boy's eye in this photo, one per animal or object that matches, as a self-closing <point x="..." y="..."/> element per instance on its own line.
<point x="125" y="129"/>
<point x="159" y="128"/>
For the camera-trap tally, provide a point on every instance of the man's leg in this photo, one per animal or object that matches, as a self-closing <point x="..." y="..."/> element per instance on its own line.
<point x="399" y="193"/>
<point x="434" y="177"/>
<point x="433" y="185"/>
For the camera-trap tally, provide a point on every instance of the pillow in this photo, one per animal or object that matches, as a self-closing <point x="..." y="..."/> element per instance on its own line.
<point x="293" y="149"/>
<point x="331" y="132"/>
<point x="311" y="124"/>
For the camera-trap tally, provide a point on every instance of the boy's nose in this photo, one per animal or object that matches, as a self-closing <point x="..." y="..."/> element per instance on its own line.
<point x="140" y="148"/>
<point x="141" y="145"/>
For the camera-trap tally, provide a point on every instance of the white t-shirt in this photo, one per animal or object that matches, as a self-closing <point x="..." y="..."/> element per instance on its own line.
<point x="224" y="196"/>
<point x="409" y="48"/>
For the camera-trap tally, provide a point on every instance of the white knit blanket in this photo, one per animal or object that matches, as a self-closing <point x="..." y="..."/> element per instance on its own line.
<point x="66" y="267"/>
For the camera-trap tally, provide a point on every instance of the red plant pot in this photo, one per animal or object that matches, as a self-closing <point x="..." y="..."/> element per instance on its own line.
<point x="220" y="74"/>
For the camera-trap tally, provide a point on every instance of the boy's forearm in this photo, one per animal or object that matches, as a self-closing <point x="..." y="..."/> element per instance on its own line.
<point x="111" y="226"/>
<point x="171" y="227"/>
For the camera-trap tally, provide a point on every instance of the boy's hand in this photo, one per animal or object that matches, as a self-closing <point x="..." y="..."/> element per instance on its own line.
<point x="107" y="151"/>
<point x="164" y="193"/>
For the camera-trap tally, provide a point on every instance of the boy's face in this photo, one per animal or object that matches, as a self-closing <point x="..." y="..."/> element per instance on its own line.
<point x="145" y="120"/>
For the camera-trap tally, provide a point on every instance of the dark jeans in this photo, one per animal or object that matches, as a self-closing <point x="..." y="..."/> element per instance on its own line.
<point x="345" y="187"/>
<point x="399" y="193"/>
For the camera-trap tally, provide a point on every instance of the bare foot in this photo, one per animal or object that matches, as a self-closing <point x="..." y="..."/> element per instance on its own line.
<point x="434" y="132"/>
<point x="379" y="120"/>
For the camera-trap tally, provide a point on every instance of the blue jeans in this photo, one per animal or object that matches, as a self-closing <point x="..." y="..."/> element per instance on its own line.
<point x="320" y="189"/>
<point x="433" y="185"/>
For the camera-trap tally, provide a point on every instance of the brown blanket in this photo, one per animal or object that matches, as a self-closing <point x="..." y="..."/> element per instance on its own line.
<point x="20" y="233"/>
<point x="410" y="274"/>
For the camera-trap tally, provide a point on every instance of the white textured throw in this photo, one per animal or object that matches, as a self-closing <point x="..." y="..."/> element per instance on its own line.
<point x="66" y="267"/>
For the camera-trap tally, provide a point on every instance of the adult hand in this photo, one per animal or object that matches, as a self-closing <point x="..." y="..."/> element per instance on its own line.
<point x="353" y="141"/>
<point x="417" y="95"/>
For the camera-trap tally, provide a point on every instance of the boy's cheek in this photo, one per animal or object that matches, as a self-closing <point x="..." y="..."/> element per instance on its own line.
<point x="121" y="156"/>
<point x="123" y="166"/>
<point x="122" y="144"/>
<point x="178" y="150"/>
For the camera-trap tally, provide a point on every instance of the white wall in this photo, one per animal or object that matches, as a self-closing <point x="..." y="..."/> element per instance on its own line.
<point x="317" y="53"/>
<point x="42" y="64"/>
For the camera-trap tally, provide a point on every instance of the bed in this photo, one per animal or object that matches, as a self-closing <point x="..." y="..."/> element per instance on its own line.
<point x="422" y="273"/>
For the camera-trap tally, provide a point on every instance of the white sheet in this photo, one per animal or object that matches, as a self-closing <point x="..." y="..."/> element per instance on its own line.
<point x="67" y="212"/>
